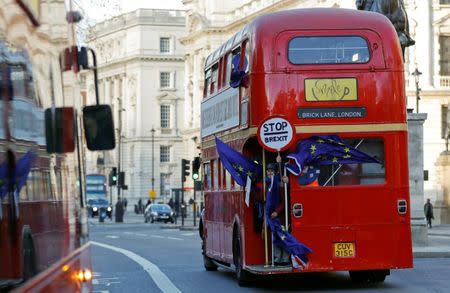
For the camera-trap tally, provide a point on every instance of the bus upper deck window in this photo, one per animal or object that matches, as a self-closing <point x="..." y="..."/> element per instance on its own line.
<point x="328" y="50"/>
<point x="207" y="82"/>
<point x="214" y="78"/>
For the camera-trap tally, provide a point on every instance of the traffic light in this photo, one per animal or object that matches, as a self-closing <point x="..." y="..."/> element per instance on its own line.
<point x="185" y="169"/>
<point x="121" y="179"/>
<point x="195" y="168"/>
<point x="113" y="176"/>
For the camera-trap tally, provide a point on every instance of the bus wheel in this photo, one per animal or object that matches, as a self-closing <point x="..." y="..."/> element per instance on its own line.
<point x="242" y="275"/>
<point x="208" y="263"/>
<point x="375" y="276"/>
<point x="28" y="257"/>
<point x="379" y="276"/>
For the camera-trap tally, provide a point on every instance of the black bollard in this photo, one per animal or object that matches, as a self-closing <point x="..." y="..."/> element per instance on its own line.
<point x="119" y="212"/>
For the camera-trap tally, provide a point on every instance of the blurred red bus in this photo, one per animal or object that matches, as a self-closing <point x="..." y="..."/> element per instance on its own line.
<point x="328" y="71"/>
<point x="43" y="225"/>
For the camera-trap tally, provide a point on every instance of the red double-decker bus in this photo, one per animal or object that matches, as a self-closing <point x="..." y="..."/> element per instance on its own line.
<point x="43" y="226"/>
<point x="328" y="72"/>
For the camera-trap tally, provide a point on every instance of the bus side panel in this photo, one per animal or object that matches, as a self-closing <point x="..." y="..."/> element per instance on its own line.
<point x="254" y="240"/>
<point x="232" y="203"/>
<point x="209" y="217"/>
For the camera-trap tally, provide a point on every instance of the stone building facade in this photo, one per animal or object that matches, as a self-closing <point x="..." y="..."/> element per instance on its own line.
<point x="210" y="23"/>
<point x="140" y="74"/>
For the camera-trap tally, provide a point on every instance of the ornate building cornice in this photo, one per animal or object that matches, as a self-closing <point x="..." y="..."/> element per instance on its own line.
<point x="130" y="59"/>
<point x="144" y="17"/>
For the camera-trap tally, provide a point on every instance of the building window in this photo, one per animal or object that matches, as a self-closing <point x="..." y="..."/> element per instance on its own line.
<point x="164" y="186"/>
<point x="164" y="156"/>
<point x="164" y="45"/>
<point x="445" y="127"/>
<point x="165" y="116"/>
<point x="444" y="42"/>
<point x="164" y="79"/>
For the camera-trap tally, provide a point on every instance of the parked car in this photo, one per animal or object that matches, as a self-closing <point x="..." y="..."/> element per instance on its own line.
<point x="95" y="204"/>
<point x="159" y="213"/>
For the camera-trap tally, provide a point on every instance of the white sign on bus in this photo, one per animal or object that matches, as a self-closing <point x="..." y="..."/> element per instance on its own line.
<point x="276" y="133"/>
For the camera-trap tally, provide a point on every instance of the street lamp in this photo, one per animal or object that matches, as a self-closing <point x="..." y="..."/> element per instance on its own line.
<point x="417" y="75"/>
<point x="153" y="159"/>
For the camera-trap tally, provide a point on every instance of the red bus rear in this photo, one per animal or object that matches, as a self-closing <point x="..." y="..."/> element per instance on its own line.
<point x="327" y="71"/>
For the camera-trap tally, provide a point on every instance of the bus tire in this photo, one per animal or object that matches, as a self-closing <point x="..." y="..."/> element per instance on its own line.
<point x="28" y="257"/>
<point x="365" y="277"/>
<point x="242" y="276"/>
<point x="208" y="263"/>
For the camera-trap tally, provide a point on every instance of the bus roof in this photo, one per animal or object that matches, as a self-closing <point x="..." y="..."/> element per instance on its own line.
<point x="269" y="25"/>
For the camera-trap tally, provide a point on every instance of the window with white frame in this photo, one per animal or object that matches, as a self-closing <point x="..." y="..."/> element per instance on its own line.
<point x="165" y="116"/>
<point x="164" y="155"/>
<point x="444" y="42"/>
<point x="164" y="183"/>
<point x="164" y="79"/>
<point x="164" y="45"/>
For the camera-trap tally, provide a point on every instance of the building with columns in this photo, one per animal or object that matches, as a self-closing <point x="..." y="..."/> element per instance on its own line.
<point x="210" y="23"/>
<point x="140" y="74"/>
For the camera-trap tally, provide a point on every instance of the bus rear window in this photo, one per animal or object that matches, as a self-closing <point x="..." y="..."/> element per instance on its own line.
<point x="354" y="174"/>
<point x="328" y="50"/>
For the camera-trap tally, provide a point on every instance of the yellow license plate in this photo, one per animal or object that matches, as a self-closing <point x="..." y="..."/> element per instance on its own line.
<point x="344" y="249"/>
<point x="331" y="89"/>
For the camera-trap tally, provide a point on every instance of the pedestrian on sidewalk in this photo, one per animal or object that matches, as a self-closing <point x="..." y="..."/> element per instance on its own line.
<point x="428" y="210"/>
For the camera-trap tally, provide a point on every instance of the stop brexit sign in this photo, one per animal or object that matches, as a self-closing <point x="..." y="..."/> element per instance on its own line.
<point x="276" y="134"/>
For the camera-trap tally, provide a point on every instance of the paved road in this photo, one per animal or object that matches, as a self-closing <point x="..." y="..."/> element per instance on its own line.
<point x="138" y="257"/>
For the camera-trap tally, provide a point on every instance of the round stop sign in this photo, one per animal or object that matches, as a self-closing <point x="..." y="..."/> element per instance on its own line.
<point x="276" y="134"/>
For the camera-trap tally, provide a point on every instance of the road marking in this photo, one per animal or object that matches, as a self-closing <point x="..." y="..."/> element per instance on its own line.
<point x="188" y="234"/>
<point x="157" y="236"/>
<point x="161" y="280"/>
<point x="112" y="236"/>
<point x="140" y="234"/>
<point x="174" y="238"/>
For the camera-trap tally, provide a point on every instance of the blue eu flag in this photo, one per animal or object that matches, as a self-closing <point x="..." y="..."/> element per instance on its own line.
<point x="326" y="150"/>
<point x="239" y="166"/>
<point x="23" y="167"/>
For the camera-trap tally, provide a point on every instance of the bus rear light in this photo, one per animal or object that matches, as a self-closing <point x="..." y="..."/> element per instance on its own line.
<point x="402" y="206"/>
<point x="84" y="275"/>
<point x="297" y="210"/>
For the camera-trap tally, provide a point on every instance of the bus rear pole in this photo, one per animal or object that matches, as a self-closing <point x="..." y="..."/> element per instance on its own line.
<point x="266" y="252"/>
<point x="286" y="203"/>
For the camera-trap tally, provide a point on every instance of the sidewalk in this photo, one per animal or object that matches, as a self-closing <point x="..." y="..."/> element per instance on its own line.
<point x="438" y="243"/>
<point x="135" y="219"/>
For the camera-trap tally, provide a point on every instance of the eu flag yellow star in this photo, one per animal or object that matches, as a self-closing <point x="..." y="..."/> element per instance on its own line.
<point x="335" y="160"/>
<point x="347" y="156"/>
<point x="320" y="140"/>
<point x="240" y="168"/>
<point x="313" y="149"/>
<point x="249" y="173"/>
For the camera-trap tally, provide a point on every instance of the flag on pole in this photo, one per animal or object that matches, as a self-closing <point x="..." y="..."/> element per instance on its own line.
<point x="237" y="165"/>
<point x="326" y="150"/>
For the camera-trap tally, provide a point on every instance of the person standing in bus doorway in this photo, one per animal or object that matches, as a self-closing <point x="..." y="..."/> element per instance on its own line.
<point x="275" y="208"/>
<point x="428" y="210"/>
